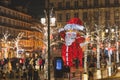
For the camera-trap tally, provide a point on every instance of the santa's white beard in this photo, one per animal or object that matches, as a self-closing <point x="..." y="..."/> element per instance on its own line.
<point x="70" y="38"/>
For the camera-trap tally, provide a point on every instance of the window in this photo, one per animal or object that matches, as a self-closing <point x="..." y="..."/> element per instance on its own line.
<point x="96" y="3"/>
<point x="67" y="16"/>
<point x="116" y="17"/>
<point x="84" y="16"/>
<point x="59" y="4"/>
<point x="116" y="14"/>
<point x="117" y="23"/>
<point x="76" y="14"/>
<point x="76" y="4"/>
<point x="107" y="2"/>
<point x="59" y="17"/>
<point x="85" y="3"/>
<point x="67" y="4"/>
<point x="107" y="15"/>
<point x="96" y="15"/>
<point x="0" y="19"/>
<point x="51" y="4"/>
<point x="0" y="10"/>
<point x="116" y="2"/>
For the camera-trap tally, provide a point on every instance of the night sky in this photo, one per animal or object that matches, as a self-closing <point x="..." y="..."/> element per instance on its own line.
<point x="35" y="7"/>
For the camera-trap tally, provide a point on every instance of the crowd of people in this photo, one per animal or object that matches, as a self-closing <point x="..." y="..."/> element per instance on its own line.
<point x="21" y="68"/>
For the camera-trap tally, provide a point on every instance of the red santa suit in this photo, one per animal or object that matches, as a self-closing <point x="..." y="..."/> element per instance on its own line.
<point x="72" y="49"/>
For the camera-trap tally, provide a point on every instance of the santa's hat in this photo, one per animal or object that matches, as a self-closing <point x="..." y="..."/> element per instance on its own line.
<point x="73" y="24"/>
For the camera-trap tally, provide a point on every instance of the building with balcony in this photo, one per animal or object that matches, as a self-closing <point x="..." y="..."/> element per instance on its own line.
<point x="14" y="22"/>
<point x="100" y="12"/>
<point x="103" y="13"/>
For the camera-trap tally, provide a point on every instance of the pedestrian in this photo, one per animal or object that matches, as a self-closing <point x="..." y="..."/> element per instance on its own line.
<point x="4" y="76"/>
<point x="24" y="74"/>
<point x="34" y="63"/>
<point x="40" y="63"/>
<point x="43" y="63"/>
<point x="17" y="73"/>
<point x="1" y="73"/>
<point x="90" y="75"/>
<point x="11" y="74"/>
<point x="77" y="63"/>
<point x="30" y="74"/>
<point x="66" y="70"/>
<point x="35" y="75"/>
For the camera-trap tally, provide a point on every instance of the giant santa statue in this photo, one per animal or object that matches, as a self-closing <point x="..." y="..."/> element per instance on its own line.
<point x="71" y="34"/>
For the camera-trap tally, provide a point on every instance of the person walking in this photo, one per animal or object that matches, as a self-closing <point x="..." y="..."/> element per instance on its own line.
<point x="40" y="63"/>
<point x="30" y="74"/>
<point x="35" y="75"/>
<point x="90" y="75"/>
<point x="24" y="74"/>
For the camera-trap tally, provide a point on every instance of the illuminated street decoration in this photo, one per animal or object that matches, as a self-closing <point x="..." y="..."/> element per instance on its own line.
<point x="117" y="45"/>
<point x="16" y="41"/>
<point x="5" y="41"/>
<point x="44" y="30"/>
<point x="73" y="41"/>
<point x="44" y="48"/>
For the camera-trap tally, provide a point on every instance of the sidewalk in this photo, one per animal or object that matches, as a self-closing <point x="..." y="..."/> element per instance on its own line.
<point x="75" y="74"/>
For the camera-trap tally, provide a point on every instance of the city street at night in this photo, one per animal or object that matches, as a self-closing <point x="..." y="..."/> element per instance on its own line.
<point x="59" y="39"/>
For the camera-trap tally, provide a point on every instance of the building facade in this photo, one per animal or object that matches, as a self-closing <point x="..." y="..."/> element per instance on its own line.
<point x="101" y="12"/>
<point x="14" y="22"/>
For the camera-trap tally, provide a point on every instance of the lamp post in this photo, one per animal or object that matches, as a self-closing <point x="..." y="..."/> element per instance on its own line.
<point x="47" y="35"/>
<point x="109" y="50"/>
<point x="48" y="21"/>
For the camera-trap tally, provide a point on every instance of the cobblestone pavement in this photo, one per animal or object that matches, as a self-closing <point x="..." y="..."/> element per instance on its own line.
<point x="76" y="74"/>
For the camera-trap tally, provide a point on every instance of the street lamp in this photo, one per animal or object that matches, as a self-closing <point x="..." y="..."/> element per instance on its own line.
<point x="110" y="32"/>
<point x="48" y="22"/>
<point x="115" y="36"/>
<point x="52" y="21"/>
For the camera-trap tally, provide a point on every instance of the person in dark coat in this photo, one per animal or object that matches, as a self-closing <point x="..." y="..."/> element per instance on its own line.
<point x="43" y="62"/>
<point x="11" y="75"/>
<point x="30" y="74"/>
<point x="90" y="75"/>
<point x="24" y="74"/>
<point x="40" y="63"/>
<point x="35" y="75"/>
